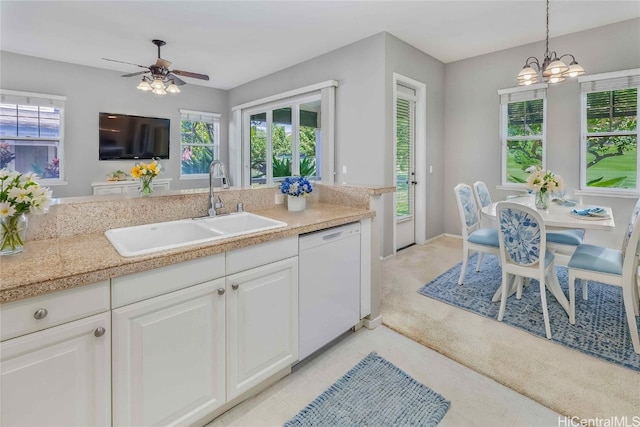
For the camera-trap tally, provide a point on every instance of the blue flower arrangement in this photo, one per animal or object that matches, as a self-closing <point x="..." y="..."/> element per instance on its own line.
<point x="296" y="186"/>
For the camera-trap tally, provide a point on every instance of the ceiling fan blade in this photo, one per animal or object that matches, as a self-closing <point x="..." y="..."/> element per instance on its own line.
<point x="122" y="62"/>
<point x="175" y="79"/>
<point x="134" y="74"/>
<point x="190" y="74"/>
<point x="163" y="63"/>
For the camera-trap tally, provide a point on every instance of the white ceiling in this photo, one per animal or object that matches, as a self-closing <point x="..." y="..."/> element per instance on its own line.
<point x="237" y="41"/>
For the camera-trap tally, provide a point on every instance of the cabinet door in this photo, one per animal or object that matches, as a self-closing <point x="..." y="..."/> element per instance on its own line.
<point x="115" y="189"/>
<point x="262" y="323"/>
<point x="60" y="376"/>
<point x="168" y="357"/>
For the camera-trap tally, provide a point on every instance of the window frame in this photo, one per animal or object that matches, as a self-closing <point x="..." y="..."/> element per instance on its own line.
<point x="215" y="118"/>
<point x="24" y="98"/>
<point x="513" y="95"/>
<point x="294" y="104"/>
<point x="607" y="82"/>
<point x="239" y="129"/>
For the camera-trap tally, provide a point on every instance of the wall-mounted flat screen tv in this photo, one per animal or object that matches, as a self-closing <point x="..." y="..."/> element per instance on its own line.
<point x="124" y="137"/>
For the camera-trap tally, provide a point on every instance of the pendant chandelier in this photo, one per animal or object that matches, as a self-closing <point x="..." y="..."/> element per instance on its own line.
<point x="552" y="69"/>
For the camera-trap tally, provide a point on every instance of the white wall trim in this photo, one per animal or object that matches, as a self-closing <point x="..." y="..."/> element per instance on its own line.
<point x="373" y="323"/>
<point x="611" y="75"/>
<point x="32" y="94"/>
<point x="294" y="92"/>
<point x="522" y="88"/>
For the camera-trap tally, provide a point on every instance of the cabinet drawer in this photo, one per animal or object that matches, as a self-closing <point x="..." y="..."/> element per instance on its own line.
<point x="147" y="284"/>
<point x="264" y="253"/>
<point x="19" y="317"/>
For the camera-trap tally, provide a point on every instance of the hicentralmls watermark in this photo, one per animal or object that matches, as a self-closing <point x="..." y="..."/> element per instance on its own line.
<point x="613" y="421"/>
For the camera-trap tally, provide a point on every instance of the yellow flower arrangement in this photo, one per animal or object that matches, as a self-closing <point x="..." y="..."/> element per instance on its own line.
<point x="146" y="173"/>
<point x="143" y="169"/>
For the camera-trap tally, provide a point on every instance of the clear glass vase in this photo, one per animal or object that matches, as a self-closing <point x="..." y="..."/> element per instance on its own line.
<point x="542" y="200"/>
<point x="13" y="230"/>
<point x="145" y="185"/>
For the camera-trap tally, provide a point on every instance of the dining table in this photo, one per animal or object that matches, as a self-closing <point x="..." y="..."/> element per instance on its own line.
<point x="561" y="214"/>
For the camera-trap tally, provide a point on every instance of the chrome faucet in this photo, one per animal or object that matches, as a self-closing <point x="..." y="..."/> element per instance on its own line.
<point x="213" y="204"/>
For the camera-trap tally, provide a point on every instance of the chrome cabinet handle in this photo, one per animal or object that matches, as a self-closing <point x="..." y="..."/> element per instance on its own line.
<point x="40" y="313"/>
<point x="221" y="291"/>
<point x="235" y="286"/>
<point x="99" y="331"/>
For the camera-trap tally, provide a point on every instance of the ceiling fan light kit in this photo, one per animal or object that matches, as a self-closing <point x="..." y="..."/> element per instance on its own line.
<point x="161" y="80"/>
<point x="552" y="69"/>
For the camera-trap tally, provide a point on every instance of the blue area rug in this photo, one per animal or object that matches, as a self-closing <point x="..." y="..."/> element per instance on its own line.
<point x="374" y="393"/>
<point x="601" y="327"/>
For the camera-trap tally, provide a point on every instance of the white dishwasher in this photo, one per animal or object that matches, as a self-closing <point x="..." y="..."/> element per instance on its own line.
<point x="329" y="286"/>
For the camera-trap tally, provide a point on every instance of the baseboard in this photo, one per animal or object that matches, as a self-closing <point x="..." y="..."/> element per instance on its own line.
<point x="455" y="236"/>
<point x="373" y="323"/>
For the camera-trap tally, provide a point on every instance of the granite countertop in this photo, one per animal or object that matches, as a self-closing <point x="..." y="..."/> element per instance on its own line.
<point x="56" y="264"/>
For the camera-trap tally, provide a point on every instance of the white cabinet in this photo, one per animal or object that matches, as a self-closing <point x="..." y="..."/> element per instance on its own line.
<point x="59" y="376"/>
<point x="262" y="324"/>
<point x="169" y="357"/>
<point x="120" y="187"/>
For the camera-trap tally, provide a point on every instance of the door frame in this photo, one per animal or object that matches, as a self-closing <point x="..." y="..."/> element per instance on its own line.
<point x="420" y="154"/>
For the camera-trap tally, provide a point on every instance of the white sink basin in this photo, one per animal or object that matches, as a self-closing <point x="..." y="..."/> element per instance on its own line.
<point x="150" y="238"/>
<point x="240" y="223"/>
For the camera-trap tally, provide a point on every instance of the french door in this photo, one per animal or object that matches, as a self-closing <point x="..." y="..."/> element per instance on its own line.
<point x="405" y="133"/>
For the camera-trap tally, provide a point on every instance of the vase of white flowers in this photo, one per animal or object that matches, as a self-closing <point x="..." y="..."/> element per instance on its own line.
<point x="296" y="188"/>
<point x="543" y="183"/>
<point x="20" y="194"/>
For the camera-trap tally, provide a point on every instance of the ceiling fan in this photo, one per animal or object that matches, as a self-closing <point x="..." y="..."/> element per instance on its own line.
<point x="161" y="79"/>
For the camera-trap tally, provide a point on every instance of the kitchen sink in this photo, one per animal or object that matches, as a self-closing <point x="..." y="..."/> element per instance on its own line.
<point x="240" y="223"/>
<point x="150" y="238"/>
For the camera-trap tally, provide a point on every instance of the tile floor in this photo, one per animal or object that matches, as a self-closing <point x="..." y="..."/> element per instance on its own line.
<point x="475" y="399"/>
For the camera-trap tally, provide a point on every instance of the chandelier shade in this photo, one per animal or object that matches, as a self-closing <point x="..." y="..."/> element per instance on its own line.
<point x="159" y="85"/>
<point x="552" y="69"/>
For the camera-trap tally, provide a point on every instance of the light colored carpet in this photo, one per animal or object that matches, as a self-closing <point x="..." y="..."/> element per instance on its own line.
<point x="565" y="380"/>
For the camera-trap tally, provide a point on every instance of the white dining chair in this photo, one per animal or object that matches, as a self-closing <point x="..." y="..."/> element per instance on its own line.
<point x="616" y="267"/>
<point x="474" y="237"/>
<point x="524" y="254"/>
<point x="483" y="199"/>
<point x="481" y="194"/>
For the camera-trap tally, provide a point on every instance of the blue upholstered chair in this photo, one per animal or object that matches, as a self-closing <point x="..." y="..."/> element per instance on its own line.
<point x="614" y="267"/>
<point x="474" y="238"/>
<point x="564" y="242"/>
<point x="524" y="254"/>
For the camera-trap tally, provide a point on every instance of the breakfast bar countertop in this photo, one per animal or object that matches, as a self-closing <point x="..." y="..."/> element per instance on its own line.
<point x="55" y="264"/>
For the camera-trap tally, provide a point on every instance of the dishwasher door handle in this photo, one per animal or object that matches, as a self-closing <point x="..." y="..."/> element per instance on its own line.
<point x="332" y="236"/>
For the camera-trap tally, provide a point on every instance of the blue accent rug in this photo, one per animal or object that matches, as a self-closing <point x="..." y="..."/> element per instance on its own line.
<point x="374" y="393"/>
<point x="601" y="325"/>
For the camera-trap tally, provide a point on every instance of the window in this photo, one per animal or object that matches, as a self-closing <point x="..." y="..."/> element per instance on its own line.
<point x="31" y="134"/>
<point x="609" y="137"/>
<point x="287" y="135"/>
<point x="285" y="141"/>
<point x="522" y="130"/>
<point x="199" y="142"/>
<point x="405" y="142"/>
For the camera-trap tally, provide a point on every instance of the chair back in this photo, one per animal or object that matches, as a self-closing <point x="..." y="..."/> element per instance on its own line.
<point x="467" y="209"/>
<point x="481" y="192"/>
<point x="522" y="235"/>
<point x="630" y="244"/>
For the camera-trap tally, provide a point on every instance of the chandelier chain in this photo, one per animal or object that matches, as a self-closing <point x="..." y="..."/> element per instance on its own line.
<point x="547" y="43"/>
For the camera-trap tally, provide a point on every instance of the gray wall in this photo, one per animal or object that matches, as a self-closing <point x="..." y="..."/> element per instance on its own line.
<point x="360" y="112"/>
<point x="91" y="90"/>
<point x="472" y="114"/>
<point x="364" y="102"/>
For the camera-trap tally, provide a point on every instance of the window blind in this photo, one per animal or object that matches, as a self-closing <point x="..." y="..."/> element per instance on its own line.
<point x="610" y="84"/>
<point x="28" y="98"/>
<point x="518" y="95"/>
<point x="199" y="116"/>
